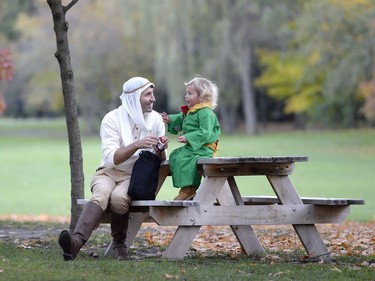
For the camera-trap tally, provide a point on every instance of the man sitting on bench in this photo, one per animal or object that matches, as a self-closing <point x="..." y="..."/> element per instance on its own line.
<point x="124" y="132"/>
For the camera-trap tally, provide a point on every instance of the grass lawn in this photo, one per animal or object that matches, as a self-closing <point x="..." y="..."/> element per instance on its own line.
<point x="47" y="264"/>
<point x="35" y="180"/>
<point x="35" y="176"/>
<point x="40" y="258"/>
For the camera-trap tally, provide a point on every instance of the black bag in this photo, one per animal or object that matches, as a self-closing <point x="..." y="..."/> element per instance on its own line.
<point x="145" y="176"/>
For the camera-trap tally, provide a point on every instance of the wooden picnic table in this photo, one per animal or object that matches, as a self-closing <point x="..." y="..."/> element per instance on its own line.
<point x="219" y="202"/>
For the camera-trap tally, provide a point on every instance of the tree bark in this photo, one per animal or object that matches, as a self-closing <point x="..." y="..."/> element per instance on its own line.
<point x="248" y="95"/>
<point x="71" y="112"/>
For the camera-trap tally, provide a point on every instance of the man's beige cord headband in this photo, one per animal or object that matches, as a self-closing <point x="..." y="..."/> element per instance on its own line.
<point x="139" y="88"/>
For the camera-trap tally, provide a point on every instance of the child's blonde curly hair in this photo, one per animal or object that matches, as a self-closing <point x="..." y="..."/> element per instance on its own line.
<point x="207" y="90"/>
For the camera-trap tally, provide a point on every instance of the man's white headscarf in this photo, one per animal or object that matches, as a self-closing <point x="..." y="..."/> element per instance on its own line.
<point x="131" y="107"/>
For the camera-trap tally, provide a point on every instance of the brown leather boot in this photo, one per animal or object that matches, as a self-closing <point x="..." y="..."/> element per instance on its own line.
<point x="186" y="193"/>
<point x="89" y="218"/>
<point x="119" y="227"/>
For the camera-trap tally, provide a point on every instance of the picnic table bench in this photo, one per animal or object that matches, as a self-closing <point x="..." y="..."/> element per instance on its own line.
<point x="219" y="202"/>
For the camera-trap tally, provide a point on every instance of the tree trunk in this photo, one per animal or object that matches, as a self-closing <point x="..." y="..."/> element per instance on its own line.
<point x="248" y="96"/>
<point x="227" y="115"/>
<point x="70" y="104"/>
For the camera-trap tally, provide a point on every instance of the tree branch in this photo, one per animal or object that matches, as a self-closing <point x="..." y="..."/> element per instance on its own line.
<point x="71" y="4"/>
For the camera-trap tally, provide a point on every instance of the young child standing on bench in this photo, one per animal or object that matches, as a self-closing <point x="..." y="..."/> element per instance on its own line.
<point x="199" y="129"/>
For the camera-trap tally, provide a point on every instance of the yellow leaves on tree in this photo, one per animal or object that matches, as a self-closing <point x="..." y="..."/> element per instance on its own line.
<point x="285" y="79"/>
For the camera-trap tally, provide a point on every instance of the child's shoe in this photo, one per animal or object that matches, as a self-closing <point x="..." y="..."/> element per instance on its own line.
<point x="186" y="193"/>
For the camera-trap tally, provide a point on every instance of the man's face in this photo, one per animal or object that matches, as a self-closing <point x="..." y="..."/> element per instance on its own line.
<point x="147" y="99"/>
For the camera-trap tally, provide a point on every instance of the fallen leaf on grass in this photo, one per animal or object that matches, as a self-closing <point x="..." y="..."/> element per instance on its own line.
<point x="183" y="270"/>
<point x="348" y="238"/>
<point x="281" y="273"/>
<point x="336" y="269"/>
<point x="24" y="246"/>
<point x="149" y="238"/>
<point x="94" y="255"/>
<point x="170" y="276"/>
<point x="32" y="243"/>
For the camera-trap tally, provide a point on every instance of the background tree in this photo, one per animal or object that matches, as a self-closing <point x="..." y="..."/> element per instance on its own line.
<point x="60" y="27"/>
<point x="8" y="33"/>
<point x="9" y="11"/>
<point x="6" y="73"/>
<point x="171" y="41"/>
<point x="329" y="56"/>
<point x="216" y="40"/>
<point x="367" y="92"/>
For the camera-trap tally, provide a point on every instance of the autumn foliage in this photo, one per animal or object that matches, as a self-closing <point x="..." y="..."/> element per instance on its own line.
<point x="6" y="72"/>
<point x="6" y="64"/>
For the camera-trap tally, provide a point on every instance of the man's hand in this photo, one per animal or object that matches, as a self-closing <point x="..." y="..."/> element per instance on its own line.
<point x="124" y="153"/>
<point x="162" y="143"/>
<point x="147" y="142"/>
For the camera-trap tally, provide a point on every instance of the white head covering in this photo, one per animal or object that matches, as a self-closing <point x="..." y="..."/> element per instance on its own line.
<point x="131" y="106"/>
<point x="131" y="95"/>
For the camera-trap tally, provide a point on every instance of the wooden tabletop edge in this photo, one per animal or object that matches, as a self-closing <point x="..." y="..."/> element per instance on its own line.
<point x="251" y="159"/>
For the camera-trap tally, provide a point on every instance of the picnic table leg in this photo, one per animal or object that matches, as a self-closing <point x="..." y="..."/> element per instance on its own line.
<point x="135" y="223"/>
<point x="163" y="174"/>
<point x="184" y="235"/>
<point x="307" y="233"/>
<point x="181" y="242"/>
<point x="230" y="196"/>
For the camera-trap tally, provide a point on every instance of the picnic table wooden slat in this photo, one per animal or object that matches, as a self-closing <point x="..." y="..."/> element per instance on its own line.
<point x="249" y="215"/>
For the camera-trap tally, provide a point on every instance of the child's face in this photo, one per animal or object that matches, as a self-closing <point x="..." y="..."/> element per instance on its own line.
<point x="191" y="97"/>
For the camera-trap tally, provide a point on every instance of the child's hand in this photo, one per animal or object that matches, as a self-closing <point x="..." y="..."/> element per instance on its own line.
<point x="165" y="117"/>
<point x="182" y="139"/>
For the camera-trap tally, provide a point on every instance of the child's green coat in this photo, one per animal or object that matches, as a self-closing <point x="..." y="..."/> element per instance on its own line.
<point x="200" y="127"/>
